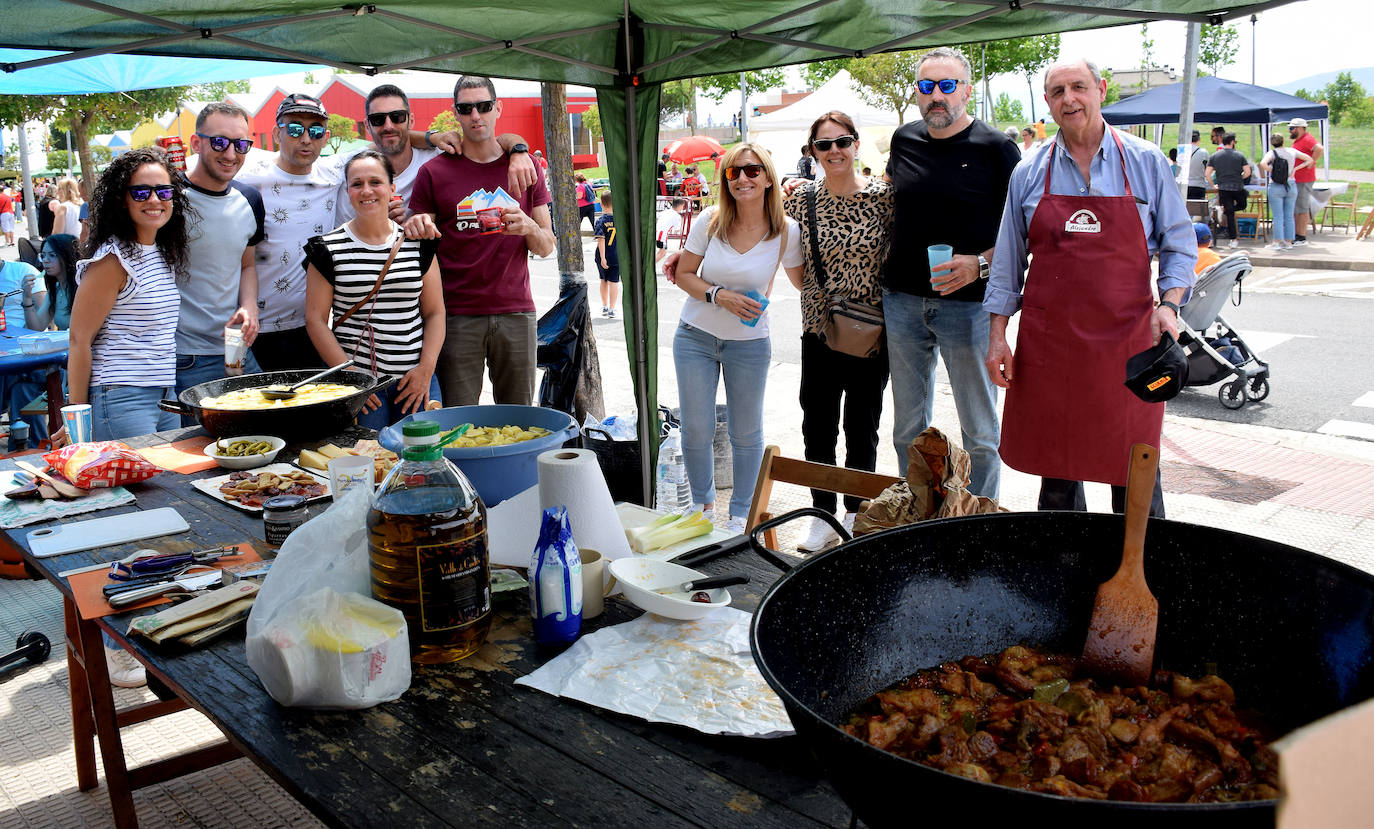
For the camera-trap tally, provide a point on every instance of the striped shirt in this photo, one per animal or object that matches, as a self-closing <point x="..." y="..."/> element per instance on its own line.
<point x="136" y="344"/>
<point x="352" y="266"/>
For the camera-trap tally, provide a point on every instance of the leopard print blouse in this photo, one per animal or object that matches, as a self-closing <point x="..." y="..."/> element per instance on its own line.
<point x="855" y="233"/>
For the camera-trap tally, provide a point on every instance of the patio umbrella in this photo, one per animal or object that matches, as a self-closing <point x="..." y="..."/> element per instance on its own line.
<point x="694" y="148"/>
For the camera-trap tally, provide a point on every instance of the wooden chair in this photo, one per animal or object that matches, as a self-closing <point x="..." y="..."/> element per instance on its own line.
<point x="837" y="479"/>
<point x="1368" y="226"/>
<point x="1329" y="212"/>
<point x="1255" y="232"/>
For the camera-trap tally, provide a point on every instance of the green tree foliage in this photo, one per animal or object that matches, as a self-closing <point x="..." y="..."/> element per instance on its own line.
<point x="445" y="121"/>
<point x="218" y="91"/>
<point x="1028" y="56"/>
<point x="716" y="87"/>
<point x="1311" y="96"/>
<point x="591" y="119"/>
<point x="341" y="129"/>
<point x="1008" y="110"/>
<point x="887" y="80"/>
<point x="57" y="159"/>
<point x="1217" y="47"/>
<point x="1147" y="55"/>
<point x="816" y="74"/>
<point x="679" y="98"/>
<point x="1113" y="88"/>
<point x="86" y="115"/>
<point x="1359" y="114"/>
<point x="1341" y="95"/>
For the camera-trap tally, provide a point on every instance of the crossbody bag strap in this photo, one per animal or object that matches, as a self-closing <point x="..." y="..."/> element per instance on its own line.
<point x="395" y="249"/>
<point x="782" y="246"/>
<point x="815" y="243"/>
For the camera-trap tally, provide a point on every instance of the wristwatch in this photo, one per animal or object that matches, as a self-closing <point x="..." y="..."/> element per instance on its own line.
<point x="518" y="148"/>
<point x="983" y="267"/>
<point x="429" y="138"/>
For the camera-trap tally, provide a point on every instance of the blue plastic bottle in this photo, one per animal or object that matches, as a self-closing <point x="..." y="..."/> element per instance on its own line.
<point x="761" y="300"/>
<point x="556" y="581"/>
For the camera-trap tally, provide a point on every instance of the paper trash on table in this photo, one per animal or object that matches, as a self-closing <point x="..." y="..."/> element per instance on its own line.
<point x="696" y="674"/>
<point x="22" y="513"/>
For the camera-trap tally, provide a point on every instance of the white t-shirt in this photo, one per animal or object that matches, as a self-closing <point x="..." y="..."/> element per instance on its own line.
<point x="405" y="179"/>
<point x="296" y="207"/>
<point x="743" y="272"/>
<point x="668" y="221"/>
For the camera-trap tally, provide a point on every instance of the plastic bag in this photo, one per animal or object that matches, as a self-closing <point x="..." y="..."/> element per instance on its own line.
<point x="107" y="463"/>
<point x="619" y="427"/>
<point x="316" y="638"/>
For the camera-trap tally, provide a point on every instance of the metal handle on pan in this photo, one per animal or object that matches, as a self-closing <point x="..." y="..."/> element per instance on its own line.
<point x="176" y="407"/>
<point x="775" y="558"/>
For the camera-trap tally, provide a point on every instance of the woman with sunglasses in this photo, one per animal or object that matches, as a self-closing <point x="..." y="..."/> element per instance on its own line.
<point x="727" y="269"/>
<point x="851" y="232"/>
<point x="122" y="358"/>
<point x="397" y="331"/>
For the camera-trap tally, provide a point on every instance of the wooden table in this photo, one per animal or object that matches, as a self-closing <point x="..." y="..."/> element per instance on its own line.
<point x="464" y="746"/>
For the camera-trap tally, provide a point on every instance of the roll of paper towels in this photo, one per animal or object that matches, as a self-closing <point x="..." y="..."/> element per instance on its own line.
<point x="572" y="478"/>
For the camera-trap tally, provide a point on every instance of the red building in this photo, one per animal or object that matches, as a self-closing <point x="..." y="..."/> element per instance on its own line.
<point x="430" y="94"/>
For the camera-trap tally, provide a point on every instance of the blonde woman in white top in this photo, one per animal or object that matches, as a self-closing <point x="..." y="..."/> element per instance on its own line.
<point x="66" y="208"/>
<point x="733" y="251"/>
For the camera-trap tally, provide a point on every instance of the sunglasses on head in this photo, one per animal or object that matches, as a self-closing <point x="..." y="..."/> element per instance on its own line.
<point x="296" y="130"/>
<point x="141" y="192"/>
<point x="397" y="116"/>
<point x="844" y="142"/>
<point x="750" y="170"/>
<point x="482" y="106"/>
<point x="947" y="86"/>
<point x="219" y="143"/>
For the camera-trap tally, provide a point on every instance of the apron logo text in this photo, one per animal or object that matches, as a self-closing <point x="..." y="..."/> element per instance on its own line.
<point x="1083" y="221"/>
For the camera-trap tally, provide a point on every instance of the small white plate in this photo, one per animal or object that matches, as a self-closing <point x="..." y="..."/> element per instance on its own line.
<point x="210" y="486"/>
<point x="640" y="577"/>
<point x="245" y="461"/>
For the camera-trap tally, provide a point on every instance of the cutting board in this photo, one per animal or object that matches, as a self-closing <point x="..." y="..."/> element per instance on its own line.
<point x="105" y="532"/>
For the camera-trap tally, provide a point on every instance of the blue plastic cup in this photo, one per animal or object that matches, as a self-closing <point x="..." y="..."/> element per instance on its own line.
<point x="760" y="299"/>
<point x="938" y="255"/>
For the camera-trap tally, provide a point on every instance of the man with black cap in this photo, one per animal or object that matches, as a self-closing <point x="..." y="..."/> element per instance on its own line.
<point x="299" y="202"/>
<point x="1088" y="212"/>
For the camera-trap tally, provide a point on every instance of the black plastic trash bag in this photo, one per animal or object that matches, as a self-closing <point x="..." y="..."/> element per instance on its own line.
<point x="560" y="339"/>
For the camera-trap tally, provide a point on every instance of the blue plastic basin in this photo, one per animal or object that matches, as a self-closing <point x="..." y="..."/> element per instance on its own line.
<point x="498" y="472"/>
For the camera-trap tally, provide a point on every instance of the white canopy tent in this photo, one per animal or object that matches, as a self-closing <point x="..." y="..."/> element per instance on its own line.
<point x="783" y="132"/>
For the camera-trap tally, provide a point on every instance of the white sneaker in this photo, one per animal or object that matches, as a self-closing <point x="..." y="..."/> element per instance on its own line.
<point x="821" y="537"/>
<point x="1274" y="246"/>
<point x="735" y="526"/>
<point x="1233" y="243"/>
<point x="1297" y="243"/>
<point x="848" y="523"/>
<point x="1288" y="246"/>
<point x="125" y="671"/>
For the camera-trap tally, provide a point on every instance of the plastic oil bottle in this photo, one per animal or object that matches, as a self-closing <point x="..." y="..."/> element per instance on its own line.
<point x="427" y="540"/>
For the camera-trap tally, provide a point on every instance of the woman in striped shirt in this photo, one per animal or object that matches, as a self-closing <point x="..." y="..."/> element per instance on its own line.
<point x="397" y="332"/>
<point x="124" y="317"/>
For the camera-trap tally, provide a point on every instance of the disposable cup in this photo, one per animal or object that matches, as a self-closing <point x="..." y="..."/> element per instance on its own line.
<point x="593" y="587"/>
<point x="761" y="300"/>
<point x="235" y="351"/>
<point x="349" y="471"/>
<point x="938" y="255"/>
<point x="78" y="419"/>
<point x="489" y="218"/>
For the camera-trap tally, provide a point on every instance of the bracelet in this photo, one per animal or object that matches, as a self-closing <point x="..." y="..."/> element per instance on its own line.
<point x="1164" y="303"/>
<point x="28" y="304"/>
<point x="428" y="140"/>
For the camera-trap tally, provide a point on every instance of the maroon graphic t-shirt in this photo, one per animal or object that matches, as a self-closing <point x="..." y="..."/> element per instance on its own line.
<point x="481" y="274"/>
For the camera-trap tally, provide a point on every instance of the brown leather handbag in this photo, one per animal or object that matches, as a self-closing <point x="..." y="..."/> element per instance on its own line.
<point x="851" y="327"/>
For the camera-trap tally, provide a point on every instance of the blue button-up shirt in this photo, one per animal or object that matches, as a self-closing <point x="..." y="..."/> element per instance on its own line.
<point x="1168" y="227"/>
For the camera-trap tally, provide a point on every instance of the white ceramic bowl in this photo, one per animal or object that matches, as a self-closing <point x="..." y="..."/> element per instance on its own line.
<point x="640" y="577"/>
<point x="245" y="461"/>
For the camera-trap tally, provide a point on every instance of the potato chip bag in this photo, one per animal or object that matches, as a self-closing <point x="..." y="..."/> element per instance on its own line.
<point x="106" y="463"/>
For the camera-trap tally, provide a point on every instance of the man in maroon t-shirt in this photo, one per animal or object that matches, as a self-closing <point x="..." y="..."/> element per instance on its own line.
<point x="1303" y="142"/>
<point x="486" y="277"/>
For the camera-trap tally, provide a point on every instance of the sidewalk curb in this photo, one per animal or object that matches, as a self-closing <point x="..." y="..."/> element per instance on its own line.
<point x="1332" y="446"/>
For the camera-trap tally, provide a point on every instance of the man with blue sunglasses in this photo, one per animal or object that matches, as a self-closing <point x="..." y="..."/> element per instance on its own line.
<point x="949" y="173"/>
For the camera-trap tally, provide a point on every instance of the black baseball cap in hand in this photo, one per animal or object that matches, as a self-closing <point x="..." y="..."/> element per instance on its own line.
<point x="1159" y="373"/>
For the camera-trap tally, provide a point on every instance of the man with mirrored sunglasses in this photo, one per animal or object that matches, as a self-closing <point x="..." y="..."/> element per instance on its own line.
<point x="221" y="289"/>
<point x="949" y="173"/>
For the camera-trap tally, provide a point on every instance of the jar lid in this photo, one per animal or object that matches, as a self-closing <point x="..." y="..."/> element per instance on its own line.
<point x="284" y="502"/>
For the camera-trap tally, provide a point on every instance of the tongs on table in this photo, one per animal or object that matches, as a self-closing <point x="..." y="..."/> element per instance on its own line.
<point x="163" y="566"/>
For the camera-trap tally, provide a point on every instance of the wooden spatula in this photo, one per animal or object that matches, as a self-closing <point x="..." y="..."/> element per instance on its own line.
<point x="1121" y="636"/>
<point x="62" y="487"/>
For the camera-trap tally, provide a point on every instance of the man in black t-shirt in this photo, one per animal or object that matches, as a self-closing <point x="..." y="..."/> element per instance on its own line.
<point x="1228" y="169"/>
<point x="950" y="175"/>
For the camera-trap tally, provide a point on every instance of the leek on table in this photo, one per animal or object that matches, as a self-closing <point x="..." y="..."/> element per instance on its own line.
<point x="668" y="530"/>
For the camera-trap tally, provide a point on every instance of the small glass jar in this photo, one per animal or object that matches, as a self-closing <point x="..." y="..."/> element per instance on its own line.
<point x="281" y="515"/>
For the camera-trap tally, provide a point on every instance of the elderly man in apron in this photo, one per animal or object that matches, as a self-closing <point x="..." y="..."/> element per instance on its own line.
<point x="1090" y="212"/>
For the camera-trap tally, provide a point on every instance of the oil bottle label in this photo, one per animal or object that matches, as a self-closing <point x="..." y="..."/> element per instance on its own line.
<point x="455" y="584"/>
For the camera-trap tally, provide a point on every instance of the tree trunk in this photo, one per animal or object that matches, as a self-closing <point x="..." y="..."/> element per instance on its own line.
<point x="568" y="233"/>
<point x="81" y="122"/>
<point x="1030" y="87"/>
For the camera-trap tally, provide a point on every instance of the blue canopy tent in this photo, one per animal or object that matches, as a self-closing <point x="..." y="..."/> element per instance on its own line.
<point x="1219" y="101"/>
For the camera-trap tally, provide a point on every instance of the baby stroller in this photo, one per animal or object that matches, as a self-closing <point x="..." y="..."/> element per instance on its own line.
<point x="1215" y="350"/>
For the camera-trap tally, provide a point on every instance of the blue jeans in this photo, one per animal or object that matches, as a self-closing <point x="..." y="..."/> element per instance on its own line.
<point x="918" y="329"/>
<point x="119" y="412"/>
<point x="390" y="411"/>
<point x="194" y="369"/>
<point x="701" y="359"/>
<point x="1282" y="200"/>
<point x="17" y="390"/>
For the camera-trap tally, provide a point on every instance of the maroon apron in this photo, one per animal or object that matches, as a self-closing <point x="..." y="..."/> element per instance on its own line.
<point x="1085" y="310"/>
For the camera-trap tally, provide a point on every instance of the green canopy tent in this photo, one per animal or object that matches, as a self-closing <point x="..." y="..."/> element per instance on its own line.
<point x="624" y="49"/>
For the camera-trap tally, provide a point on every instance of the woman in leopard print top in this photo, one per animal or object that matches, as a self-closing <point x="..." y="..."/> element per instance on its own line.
<point x="853" y="227"/>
